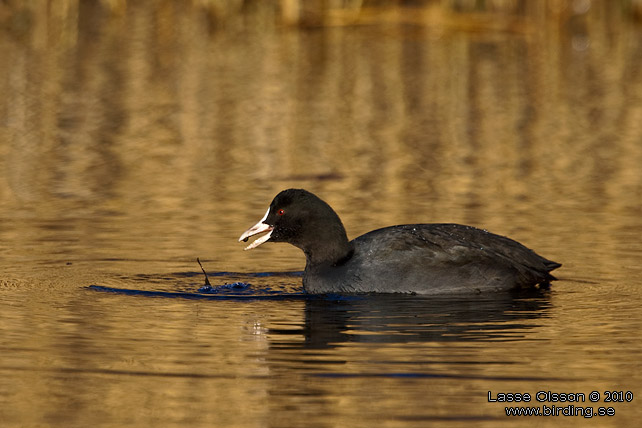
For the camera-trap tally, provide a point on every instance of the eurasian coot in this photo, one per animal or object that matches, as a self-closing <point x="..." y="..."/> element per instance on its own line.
<point x="411" y="258"/>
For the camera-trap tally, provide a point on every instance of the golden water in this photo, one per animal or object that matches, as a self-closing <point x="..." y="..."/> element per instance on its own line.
<point x="135" y="139"/>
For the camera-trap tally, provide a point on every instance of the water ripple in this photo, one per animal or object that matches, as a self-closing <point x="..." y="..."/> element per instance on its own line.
<point x="257" y="294"/>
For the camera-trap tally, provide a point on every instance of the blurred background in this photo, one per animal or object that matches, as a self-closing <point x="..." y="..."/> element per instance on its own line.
<point x="166" y="127"/>
<point x="176" y="122"/>
<point x="136" y="136"/>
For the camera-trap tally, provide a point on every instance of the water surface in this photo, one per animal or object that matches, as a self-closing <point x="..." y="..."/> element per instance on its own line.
<point x="134" y="141"/>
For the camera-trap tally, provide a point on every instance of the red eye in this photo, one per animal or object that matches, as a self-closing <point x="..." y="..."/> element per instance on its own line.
<point x="280" y="212"/>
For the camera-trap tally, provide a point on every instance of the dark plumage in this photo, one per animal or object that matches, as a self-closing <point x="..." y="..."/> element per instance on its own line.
<point x="413" y="258"/>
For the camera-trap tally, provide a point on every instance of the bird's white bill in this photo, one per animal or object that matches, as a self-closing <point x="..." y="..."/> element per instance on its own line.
<point x="259" y="227"/>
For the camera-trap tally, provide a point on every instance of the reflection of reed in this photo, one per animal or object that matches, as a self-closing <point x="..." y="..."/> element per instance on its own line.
<point x="444" y="112"/>
<point x="478" y="14"/>
<point x="519" y="16"/>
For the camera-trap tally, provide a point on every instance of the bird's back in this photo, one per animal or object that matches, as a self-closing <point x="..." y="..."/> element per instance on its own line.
<point x="432" y="259"/>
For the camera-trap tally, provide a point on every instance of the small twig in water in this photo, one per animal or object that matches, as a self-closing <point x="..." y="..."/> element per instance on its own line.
<point x="207" y="281"/>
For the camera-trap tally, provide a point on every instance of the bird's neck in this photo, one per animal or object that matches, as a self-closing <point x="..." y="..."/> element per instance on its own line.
<point x="332" y="249"/>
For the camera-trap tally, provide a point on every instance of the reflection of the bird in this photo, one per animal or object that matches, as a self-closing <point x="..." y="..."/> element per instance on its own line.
<point x="344" y="342"/>
<point x="402" y="319"/>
